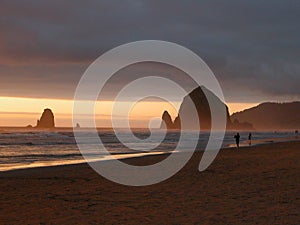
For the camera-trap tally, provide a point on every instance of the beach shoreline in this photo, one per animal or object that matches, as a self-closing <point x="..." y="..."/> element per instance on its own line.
<point x="125" y="155"/>
<point x="256" y="184"/>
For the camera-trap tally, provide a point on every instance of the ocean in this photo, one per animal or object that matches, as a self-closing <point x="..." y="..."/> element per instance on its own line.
<point x="23" y="148"/>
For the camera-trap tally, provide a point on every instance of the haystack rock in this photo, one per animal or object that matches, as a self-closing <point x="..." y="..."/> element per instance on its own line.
<point x="46" y="120"/>
<point x="196" y="105"/>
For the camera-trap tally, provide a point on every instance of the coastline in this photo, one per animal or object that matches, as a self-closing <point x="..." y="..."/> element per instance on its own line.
<point x="263" y="142"/>
<point x="124" y="156"/>
<point x="256" y="184"/>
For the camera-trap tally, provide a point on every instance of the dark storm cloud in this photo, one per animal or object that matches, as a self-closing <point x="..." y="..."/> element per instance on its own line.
<point x="252" y="46"/>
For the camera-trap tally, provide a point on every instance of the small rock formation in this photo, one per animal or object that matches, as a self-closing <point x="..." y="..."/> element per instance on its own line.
<point x="167" y="122"/>
<point x="46" y="120"/>
<point x="237" y="125"/>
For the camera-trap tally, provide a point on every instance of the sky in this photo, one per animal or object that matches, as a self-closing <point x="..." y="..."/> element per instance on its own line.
<point x="45" y="46"/>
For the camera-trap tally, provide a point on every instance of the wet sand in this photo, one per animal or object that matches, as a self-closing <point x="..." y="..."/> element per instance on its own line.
<point x="254" y="185"/>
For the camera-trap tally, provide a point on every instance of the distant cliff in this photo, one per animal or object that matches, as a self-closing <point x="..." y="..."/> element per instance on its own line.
<point x="46" y="120"/>
<point x="271" y="116"/>
<point x="197" y="100"/>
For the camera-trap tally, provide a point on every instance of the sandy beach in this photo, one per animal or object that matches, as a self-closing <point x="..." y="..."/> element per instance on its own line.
<point x="254" y="185"/>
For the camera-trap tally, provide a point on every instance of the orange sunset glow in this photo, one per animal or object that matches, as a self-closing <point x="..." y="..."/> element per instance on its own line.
<point x="21" y="112"/>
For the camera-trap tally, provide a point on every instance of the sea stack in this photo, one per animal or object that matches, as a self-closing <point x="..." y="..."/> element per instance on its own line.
<point x="196" y="106"/>
<point x="167" y="122"/>
<point x="46" y="120"/>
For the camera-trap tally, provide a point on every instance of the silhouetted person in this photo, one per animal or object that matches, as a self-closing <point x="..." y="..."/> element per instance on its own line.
<point x="249" y="138"/>
<point x="237" y="140"/>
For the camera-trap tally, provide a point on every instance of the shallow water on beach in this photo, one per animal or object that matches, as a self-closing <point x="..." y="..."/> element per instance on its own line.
<point x="21" y="148"/>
